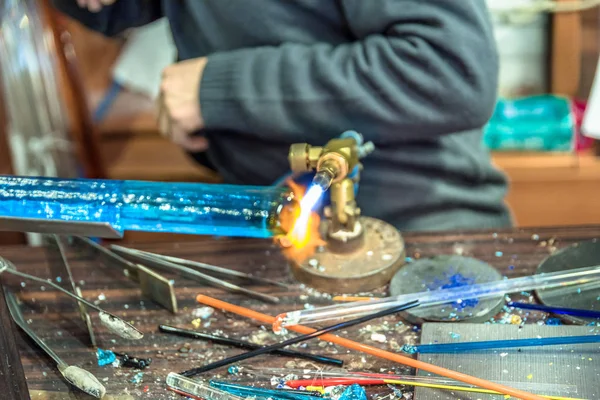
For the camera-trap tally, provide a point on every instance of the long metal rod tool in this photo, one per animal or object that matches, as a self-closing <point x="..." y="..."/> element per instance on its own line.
<point x="63" y="260"/>
<point x="76" y="376"/>
<point x="115" y="324"/>
<point x="298" y="339"/>
<point x="189" y="273"/>
<point x="214" y="268"/>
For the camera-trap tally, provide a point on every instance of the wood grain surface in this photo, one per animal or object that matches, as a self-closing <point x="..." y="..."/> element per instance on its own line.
<point x="55" y="318"/>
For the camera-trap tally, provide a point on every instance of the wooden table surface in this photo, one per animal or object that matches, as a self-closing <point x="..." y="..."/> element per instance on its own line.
<point x="54" y="317"/>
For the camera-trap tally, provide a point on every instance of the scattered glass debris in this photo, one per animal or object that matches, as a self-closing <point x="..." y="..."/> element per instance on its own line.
<point x="233" y="370"/>
<point x="134" y="362"/>
<point x="137" y="378"/>
<point x="203" y="312"/>
<point x="378" y="337"/>
<point x="105" y="357"/>
<point x="409" y="348"/>
<point x="553" y="321"/>
<point x="516" y="320"/>
<point x="354" y="392"/>
<point x="184" y="349"/>
<point x="335" y="392"/>
<point x="196" y="323"/>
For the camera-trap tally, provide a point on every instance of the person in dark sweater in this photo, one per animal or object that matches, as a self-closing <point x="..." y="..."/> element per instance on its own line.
<point x="418" y="78"/>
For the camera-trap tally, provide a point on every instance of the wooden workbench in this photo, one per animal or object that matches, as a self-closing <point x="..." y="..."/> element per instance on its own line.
<point x="55" y="319"/>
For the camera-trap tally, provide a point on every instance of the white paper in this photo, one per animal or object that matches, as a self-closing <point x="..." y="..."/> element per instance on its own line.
<point x="147" y="52"/>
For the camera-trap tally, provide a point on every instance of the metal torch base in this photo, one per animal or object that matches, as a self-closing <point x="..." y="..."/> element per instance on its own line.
<point x="366" y="268"/>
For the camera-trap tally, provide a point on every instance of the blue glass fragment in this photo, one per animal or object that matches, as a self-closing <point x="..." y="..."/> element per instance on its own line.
<point x="354" y="392"/>
<point x="454" y="280"/>
<point x="105" y="357"/>
<point x="189" y="208"/>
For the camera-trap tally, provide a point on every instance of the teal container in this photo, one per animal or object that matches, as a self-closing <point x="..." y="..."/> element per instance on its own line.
<point x="537" y="123"/>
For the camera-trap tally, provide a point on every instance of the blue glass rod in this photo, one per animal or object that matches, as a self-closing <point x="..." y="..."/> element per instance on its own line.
<point x="262" y="393"/>
<point x="575" y="312"/>
<point x="188" y="208"/>
<point x="438" y="348"/>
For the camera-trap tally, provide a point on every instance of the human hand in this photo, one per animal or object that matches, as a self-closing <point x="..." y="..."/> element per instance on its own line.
<point x="179" y="104"/>
<point x="94" y="5"/>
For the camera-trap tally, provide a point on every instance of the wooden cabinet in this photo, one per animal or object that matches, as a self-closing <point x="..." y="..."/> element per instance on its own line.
<point x="549" y="189"/>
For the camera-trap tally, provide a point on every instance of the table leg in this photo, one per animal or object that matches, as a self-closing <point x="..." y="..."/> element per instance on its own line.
<point x="13" y="385"/>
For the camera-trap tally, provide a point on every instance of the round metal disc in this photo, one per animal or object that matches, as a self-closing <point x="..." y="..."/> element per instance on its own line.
<point x="585" y="297"/>
<point x="367" y="268"/>
<point x="445" y="272"/>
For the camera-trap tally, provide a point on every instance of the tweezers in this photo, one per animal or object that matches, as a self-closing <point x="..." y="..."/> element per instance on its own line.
<point x="190" y="269"/>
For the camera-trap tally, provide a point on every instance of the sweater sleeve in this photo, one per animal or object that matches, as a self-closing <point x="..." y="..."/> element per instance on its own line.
<point x="415" y="69"/>
<point x="114" y="19"/>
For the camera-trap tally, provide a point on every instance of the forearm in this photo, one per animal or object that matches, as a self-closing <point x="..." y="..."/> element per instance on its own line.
<point x="420" y="79"/>
<point x="113" y="19"/>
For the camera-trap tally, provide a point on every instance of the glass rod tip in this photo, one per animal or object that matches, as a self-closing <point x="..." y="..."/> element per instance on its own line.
<point x="323" y="179"/>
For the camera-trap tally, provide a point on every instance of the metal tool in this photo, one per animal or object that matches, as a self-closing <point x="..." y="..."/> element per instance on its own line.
<point x="154" y="286"/>
<point x="215" y="269"/>
<point x="61" y="262"/>
<point x="76" y="376"/>
<point x="113" y="323"/>
<point x="361" y="253"/>
<point x="157" y="261"/>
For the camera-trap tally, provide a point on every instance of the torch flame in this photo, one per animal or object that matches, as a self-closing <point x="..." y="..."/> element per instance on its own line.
<point x="303" y="238"/>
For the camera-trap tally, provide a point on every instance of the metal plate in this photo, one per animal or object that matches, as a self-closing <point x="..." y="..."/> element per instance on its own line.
<point x="153" y="285"/>
<point x="370" y="267"/>
<point x="585" y="297"/>
<point x="447" y="271"/>
<point x="158" y="288"/>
